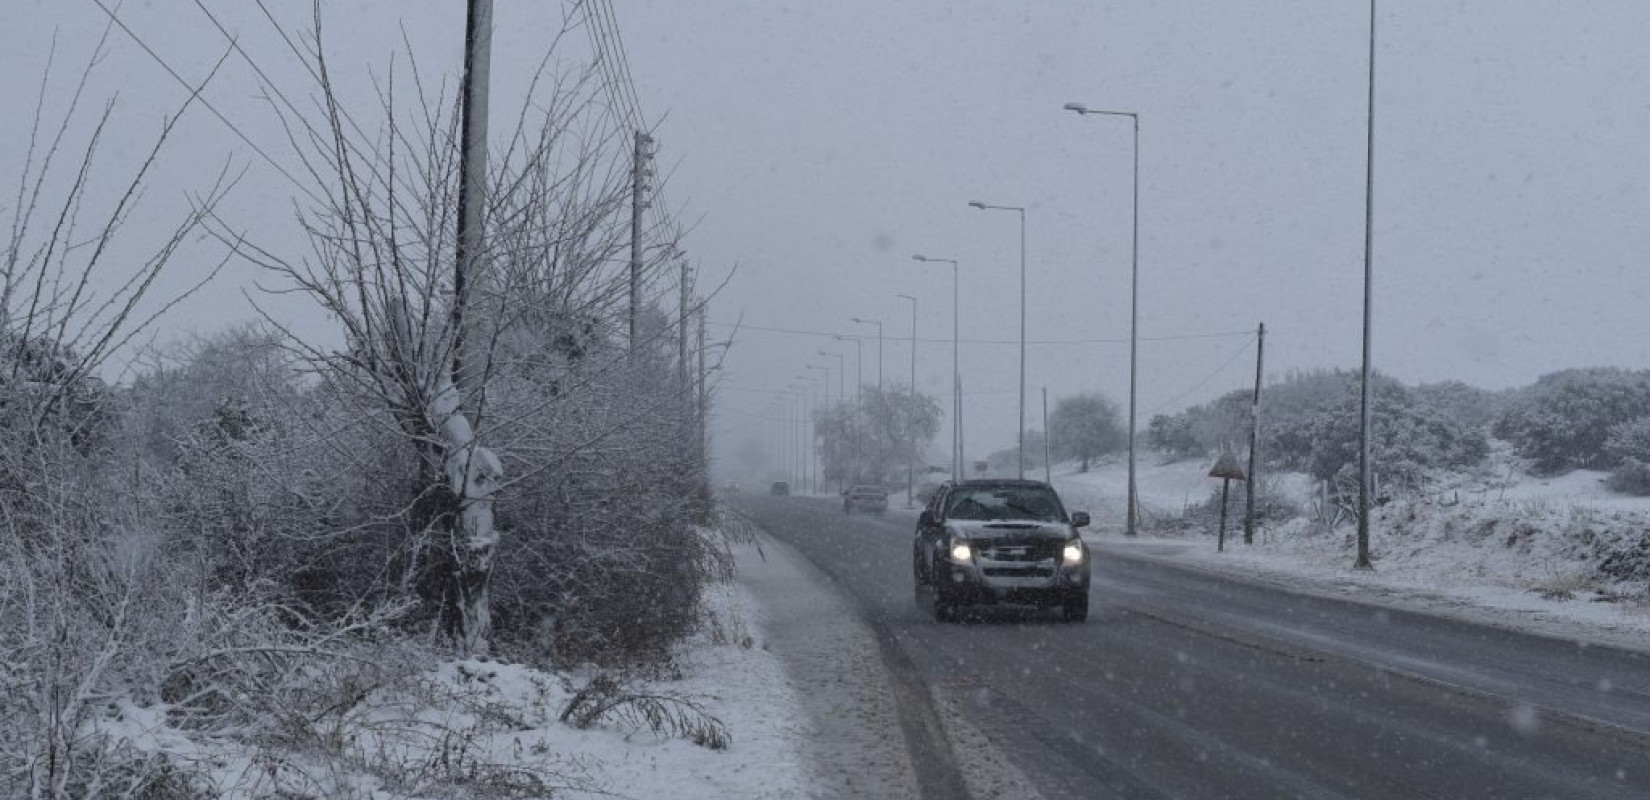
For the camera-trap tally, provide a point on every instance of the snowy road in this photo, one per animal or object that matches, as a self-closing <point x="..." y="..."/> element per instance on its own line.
<point x="1186" y="684"/>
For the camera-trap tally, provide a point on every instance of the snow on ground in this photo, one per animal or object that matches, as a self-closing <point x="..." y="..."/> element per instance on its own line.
<point x="1565" y="555"/>
<point x="480" y="728"/>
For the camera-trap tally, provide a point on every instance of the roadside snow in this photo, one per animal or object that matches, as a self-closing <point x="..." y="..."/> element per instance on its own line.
<point x="484" y="728"/>
<point x="1563" y="555"/>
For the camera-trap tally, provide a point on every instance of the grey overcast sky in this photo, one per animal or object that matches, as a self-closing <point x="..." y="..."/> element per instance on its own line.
<point x="819" y="145"/>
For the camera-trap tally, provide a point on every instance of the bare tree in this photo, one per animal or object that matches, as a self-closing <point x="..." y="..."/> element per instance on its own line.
<point x="541" y="297"/>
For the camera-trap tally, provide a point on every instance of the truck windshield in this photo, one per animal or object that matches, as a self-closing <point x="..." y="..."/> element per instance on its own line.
<point x="1005" y="503"/>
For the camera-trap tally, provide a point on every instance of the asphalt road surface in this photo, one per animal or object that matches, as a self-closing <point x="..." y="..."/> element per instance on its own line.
<point x="1186" y="684"/>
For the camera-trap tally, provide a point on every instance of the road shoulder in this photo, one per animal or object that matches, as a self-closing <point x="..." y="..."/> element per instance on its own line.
<point x="1506" y="610"/>
<point x="857" y="747"/>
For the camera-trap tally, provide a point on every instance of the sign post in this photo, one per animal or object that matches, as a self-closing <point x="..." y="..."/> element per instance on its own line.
<point x="1226" y="468"/>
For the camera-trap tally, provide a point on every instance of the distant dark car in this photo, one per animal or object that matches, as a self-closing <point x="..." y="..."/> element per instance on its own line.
<point x="780" y="488"/>
<point x="865" y="497"/>
<point x="1000" y="541"/>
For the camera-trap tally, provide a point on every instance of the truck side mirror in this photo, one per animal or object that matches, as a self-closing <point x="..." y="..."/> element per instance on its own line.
<point x="1080" y="519"/>
<point x="926" y="519"/>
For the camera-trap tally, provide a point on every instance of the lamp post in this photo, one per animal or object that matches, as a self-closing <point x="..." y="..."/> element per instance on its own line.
<point x="841" y="374"/>
<point x="911" y="454"/>
<point x="1366" y="411"/>
<point x="841" y="396"/>
<point x="1022" y="421"/>
<point x="956" y="362"/>
<point x="1134" y="292"/>
<point x="824" y="399"/>
<point x="859" y="360"/>
<point x="878" y="323"/>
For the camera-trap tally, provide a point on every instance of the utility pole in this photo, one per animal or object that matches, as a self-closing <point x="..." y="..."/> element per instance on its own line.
<point x="478" y="50"/>
<point x="962" y="463"/>
<point x="1254" y="437"/>
<point x="911" y="454"/>
<point x="704" y="420"/>
<point x="1048" y="463"/>
<point x="683" y="314"/>
<point x="639" y="171"/>
<point x="472" y="574"/>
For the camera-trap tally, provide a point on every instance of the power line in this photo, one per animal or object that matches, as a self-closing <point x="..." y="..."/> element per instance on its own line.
<point x="203" y="101"/>
<point x="1016" y="342"/>
<point x="1205" y="382"/>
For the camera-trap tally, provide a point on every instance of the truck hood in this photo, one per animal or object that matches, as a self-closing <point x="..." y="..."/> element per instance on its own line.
<point x="1010" y="530"/>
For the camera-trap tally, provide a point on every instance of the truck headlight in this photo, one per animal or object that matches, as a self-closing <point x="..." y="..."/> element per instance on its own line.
<point x="1073" y="554"/>
<point x="960" y="551"/>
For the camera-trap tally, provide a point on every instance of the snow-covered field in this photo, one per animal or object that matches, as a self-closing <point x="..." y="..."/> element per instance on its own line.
<point x="1557" y="554"/>
<point x="478" y="728"/>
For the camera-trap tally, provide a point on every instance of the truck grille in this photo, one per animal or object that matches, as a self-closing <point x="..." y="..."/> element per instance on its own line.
<point x="1018" y="572"/>
<point x="1022" y="552"/>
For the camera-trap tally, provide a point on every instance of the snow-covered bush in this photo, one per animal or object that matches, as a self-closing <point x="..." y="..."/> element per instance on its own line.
<point x="1407" y="441"/>
<point x="1629" y="447"/>
<point x="1565" y="419"/>
<point x="1085" y="427"/>
<point x="873" y="437"/>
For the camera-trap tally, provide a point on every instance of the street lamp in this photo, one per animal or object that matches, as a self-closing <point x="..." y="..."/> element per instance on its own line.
<point x="841" y="374"/>
<point x="956" y="371"/>
<point x="859" y="361"/>
<point x="878" y="323"/>
<point x="1134" y="292"/>
<point x="1366" y="411"/>
<point x="911" y="455"/>
<point x="1022" y="426"/>
<point x="825" y="397"/>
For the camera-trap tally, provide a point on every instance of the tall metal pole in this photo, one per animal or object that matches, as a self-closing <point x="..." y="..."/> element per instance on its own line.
<point x="1254" y="437"/>
<point x="1048" y="462"/>
<point x="911" y="446"/>
<point x="1022" y="427"/>
<point x="1367" y="412"/>
<point x="1134" y="302"/>
<point x="1021" y="469"/>
<point x="956" y="365"/>
<point x="878" y="323"/>
<point x="956" y="375"/>
<point x="1134" y="328"/>
<point x="478" y="49"/>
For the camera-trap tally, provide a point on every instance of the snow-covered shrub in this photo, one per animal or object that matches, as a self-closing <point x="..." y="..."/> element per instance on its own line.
<point x="1629" y="447"/>
<point x="1564" y="420"/>
<point x="1085" y="427"/>
<point x="1408" y="439"/>
<point x="1174" y="436"/>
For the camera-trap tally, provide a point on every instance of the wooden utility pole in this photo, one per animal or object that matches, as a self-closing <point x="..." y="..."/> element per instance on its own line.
<point x="704" y="421"/>
<point x="1254" y="438"/>
<point x="1048" y="463"/>
<point x="473" y="534"/>
<point x="472" y="155"/>
<point x="638" y="200"/>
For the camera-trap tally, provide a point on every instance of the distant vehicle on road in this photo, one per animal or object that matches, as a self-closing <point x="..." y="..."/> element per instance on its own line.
<point x="731" y="487"/>
<point x="780" y="488"/>
<point x="865" y="497"/>
<point x="1000" y="541"/>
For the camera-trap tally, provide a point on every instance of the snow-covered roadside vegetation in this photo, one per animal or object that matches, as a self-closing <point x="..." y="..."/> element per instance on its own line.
<point x="455" y="555"/>
<point x="709" y="722"/>
<point x="1478" y="501"/>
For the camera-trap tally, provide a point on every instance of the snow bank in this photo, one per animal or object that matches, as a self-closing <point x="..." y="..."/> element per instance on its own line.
<point x="1494" y="544"/>
<point x="478" y="728"/>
